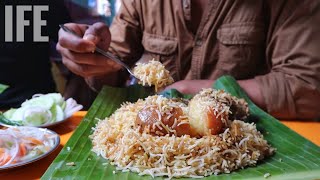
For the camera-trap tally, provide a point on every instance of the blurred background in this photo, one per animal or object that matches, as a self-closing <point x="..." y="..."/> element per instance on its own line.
<point x="32" y="67"/>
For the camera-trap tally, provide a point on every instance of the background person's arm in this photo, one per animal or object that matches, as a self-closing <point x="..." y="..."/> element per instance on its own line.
<point x="292" y="88"/>
<point x="194" y="86"/>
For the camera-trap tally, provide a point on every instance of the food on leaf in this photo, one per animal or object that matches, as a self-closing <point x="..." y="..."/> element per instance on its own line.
<point x="159" y="136"/>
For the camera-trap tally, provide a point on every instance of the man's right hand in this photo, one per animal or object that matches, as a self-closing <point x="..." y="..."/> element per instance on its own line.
<point x="77" y="54"/>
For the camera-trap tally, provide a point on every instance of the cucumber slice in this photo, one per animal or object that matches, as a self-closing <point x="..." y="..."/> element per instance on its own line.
<point x="59" y="114"/>
<point x="8" y="114"/>
<point x="42" y="101"/>
<point x="63" y="106"/>
<point x="6" y="121"/>
<point x="56" y="97"/>
<point x="18" y="114"/>
<point x="36" y="116"/>
<point x="53" y="111"/>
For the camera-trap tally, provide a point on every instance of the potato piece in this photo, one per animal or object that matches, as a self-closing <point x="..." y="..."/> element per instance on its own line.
<point x="149" y="116"/>
<point x="203" y="119"/>
<point x="214" y="123"/>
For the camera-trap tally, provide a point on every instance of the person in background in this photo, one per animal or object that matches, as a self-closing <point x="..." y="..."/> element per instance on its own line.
<point x="25" y="66"/>
<point x="270" y="47"/>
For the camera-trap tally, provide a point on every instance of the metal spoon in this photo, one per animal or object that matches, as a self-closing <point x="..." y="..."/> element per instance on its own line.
<point x="106" y="54"/>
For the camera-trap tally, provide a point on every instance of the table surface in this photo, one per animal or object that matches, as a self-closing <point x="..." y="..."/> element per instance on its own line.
<point x="309" y="130"/>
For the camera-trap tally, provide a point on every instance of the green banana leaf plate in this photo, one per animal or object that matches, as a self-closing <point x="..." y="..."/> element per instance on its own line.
<point x="295" y="158"/>
<point x="3" y="87"/>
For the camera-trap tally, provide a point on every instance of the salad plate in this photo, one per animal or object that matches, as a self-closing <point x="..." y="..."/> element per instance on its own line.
<point x="20" y="146"/>
<point x="42" y="110"/>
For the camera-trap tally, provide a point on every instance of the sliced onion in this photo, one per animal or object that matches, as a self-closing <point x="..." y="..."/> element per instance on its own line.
<point x="14" y="150"/>
<point x="71" y="107"/>
<point x="17" y="136"/>
<point x="73" y="110"/>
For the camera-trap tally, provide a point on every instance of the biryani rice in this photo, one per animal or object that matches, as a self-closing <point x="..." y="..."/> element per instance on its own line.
<point x="153" y="73"/>
<point x="117" y="139"/>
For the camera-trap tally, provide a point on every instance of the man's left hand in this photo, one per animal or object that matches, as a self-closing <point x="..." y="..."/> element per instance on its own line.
<point x="191" y="86"/>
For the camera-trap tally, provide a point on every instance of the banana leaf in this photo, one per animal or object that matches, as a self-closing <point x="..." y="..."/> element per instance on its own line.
<point x="295" y="158"/>
<point x="3" y="87"/>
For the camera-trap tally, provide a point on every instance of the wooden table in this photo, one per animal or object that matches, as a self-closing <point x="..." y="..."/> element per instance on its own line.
<point x="309" y="130"/>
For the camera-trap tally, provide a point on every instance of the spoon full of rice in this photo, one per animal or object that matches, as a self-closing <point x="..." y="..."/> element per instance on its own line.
<point x="154" y="74"/>
<point x="149" y="74"/>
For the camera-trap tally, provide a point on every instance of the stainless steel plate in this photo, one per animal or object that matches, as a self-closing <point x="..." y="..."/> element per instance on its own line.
<point x="23" y="163"/>
<point x="40" y="126"/>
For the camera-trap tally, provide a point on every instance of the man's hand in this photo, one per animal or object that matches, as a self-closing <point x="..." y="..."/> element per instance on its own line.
<point x="252" y="88"/>
<point x="77" y="54"/>
<point x="191" y="86"/>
